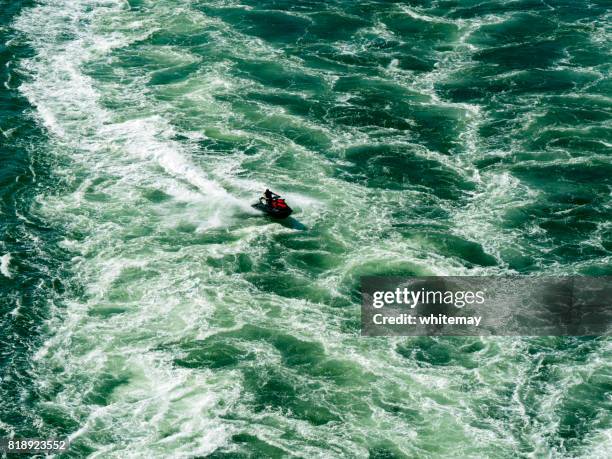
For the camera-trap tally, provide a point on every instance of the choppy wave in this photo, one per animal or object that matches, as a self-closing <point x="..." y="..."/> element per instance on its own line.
<point x="430" y="139"/>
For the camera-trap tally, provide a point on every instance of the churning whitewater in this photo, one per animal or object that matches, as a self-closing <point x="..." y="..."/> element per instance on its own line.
<point x="411" y="138"/>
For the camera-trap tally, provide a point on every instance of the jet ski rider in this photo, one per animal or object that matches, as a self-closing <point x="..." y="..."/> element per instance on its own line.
<point x="270" y="196"/>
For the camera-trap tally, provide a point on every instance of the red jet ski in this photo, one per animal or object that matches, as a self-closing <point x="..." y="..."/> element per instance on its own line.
<point x="275" y="206"/>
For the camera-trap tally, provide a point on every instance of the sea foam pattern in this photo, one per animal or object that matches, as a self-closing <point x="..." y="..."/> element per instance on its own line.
<point x="411" y="138"/>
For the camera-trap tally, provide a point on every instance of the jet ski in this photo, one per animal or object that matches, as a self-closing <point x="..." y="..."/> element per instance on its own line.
<point x="275" y="207"/>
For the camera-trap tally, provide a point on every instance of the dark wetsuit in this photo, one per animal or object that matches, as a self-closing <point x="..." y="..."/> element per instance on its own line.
<point x="270" y="196"/>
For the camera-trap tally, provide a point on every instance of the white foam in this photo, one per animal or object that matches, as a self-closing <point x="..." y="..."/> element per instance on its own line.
<point x="5" y="263"/>
<point x="15" y="312"/>
<point x="424" y="17"/>
<point x="118" y="158"/>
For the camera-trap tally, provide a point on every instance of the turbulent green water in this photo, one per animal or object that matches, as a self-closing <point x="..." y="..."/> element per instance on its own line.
<point x="148" y="311"/>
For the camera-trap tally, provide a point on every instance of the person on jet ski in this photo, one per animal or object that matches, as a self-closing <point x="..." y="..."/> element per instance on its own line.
<point x="270" y="196"/>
